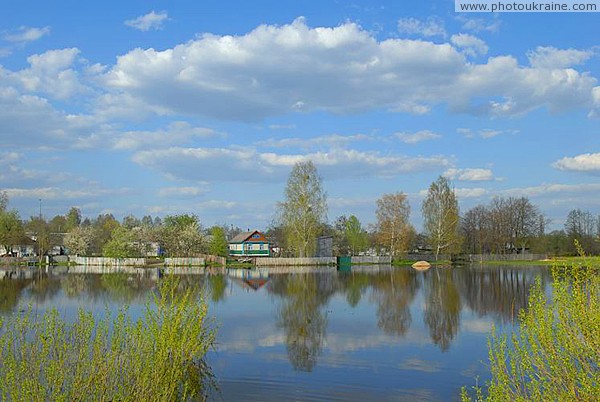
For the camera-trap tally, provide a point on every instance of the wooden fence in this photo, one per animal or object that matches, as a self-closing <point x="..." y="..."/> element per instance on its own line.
<point x="371" y="259"/>
<point x="108" y="262"/>
<point x="504" y="257"/>
<point x="278" y="262"/>
<point x="185" y="262"/>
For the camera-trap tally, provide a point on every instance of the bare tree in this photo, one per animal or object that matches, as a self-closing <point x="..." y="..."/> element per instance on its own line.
<point x="393" y="229"/>
<point x="440" y="215"/>
<point x="304" y="210"/>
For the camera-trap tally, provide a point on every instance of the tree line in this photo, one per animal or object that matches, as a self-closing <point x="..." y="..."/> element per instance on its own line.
<point x="505" y="225"/>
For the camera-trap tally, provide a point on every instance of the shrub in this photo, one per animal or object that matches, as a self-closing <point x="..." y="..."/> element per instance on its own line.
<point x="158" y="357"/>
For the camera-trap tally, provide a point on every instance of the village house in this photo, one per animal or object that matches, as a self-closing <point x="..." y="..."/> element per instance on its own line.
<point x="249" y="244"/>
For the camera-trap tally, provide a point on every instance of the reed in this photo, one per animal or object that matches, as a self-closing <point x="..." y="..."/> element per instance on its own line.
<point x="159" y="357"/>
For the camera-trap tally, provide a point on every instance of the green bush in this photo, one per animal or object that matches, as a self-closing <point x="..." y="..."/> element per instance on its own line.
<point x="555" y="354"/>
<point x="160" y="357"/>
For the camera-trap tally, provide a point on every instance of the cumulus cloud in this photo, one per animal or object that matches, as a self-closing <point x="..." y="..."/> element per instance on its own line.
<point x="52" y="73"/>
<point x="580" y="163"/>
<point x="244" y="164"/>
<point x="26" y="34"/>
<point x="469" y="44"/>
<point x="430" y="27"/>
<point x="150" y="21"/>
<point x="550" y="57"/>
<point x="469" y="192"/>
<point x="469" y="174"/>
<point x="275" y="70"/>
<point x="413" y="138"/>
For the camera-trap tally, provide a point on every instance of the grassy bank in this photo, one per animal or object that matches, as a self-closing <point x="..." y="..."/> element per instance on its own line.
<point x="555" y="353"/>
<point x="158" y="357"/>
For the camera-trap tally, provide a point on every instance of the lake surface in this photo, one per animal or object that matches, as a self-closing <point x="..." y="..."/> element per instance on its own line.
<point x="369" y="334"/>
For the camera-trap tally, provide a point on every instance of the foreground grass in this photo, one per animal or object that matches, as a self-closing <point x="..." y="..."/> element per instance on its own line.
<point x="160" y="357"/>
<point x="555" y="353"/>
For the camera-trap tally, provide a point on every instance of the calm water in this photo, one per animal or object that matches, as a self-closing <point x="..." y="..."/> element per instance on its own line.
<point x="371" y="334"/>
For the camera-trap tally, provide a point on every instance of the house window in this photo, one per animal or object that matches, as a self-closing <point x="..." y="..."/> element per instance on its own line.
<point x="255" y="236"/>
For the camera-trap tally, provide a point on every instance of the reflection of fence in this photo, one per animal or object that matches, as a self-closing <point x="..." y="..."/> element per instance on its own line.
<point x="274" y="262"/>
<point x="505" y="257"/>
<point x="371" y="259"/>
<point x="185" y="262"/>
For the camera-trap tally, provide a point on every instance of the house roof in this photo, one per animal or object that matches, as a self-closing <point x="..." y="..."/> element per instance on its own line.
<point x="244" y="236"/>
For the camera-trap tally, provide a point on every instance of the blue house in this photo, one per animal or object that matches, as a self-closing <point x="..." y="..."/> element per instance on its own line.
<point x="249" y="244"/>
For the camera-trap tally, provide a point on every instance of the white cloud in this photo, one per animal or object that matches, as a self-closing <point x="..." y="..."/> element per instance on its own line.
<point x="431" y="27"/>
<point x="469" y="174"/>
<point x="329" y="141"/>
<point x="245" y="164"/>
<point x="550" y="57"/>
<point x="52" y="73"/>
<point x="470" y="45"/>
<point x="150" y="21"/>
<point x="469" y="192"/>
<point x="581" y="163"/>
<point x="176" y="133"/>
<point x="413" y="138"/>
<point x="480" y="24"/>
<point x="57" y="193"/>
<point x="216" y="204"/>
<point x="275" y="70"/>
<point x="485" y="133"/>
<point x="181" y="191"/>
<point x="26" y="34"/>
<point x="546" y="189"/>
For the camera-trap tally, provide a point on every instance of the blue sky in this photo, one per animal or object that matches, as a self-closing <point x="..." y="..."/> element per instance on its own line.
<point x="167" y="107"/>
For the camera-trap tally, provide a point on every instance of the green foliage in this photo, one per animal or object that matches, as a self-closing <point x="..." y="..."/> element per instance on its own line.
<point x="555" y="354"/>
<point x="158" y="358"/>
<point x="121" y="244"/>
<point x="357" y="237"/>
<point x="11" y="229"/>
<point x="218" y="242"/>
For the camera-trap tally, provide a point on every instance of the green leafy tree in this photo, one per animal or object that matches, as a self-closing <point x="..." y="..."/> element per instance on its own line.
<point x="357" y="237"/>
<point x="304" y="210"/>
<point x="218" y="242"/>
<point x="121" y="244"/>
<point x="394" y="232"/>
<point x="73" y="219"/>
<point x="11" y="229"/>
<point x="440" y="216"/>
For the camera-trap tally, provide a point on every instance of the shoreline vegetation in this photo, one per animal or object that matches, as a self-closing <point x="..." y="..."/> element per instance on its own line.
<point x="158" y="357"/>
<point x="554" y="354"/>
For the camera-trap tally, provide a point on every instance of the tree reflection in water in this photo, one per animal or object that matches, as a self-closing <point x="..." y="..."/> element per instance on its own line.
<point x="10" y="293"/>
<point x="442" y="307"/>
<point x="394" y="292"/>
<point x="301" y="315"/>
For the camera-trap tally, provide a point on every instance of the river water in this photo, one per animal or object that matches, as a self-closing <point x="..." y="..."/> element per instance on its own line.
<point x="367" y="334"/>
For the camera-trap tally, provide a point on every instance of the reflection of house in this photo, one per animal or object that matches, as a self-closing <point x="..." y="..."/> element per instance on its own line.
<point x="249" y="244"/>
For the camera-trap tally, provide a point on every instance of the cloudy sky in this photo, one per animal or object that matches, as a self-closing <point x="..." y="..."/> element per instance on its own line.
<point x="162" y="107"/>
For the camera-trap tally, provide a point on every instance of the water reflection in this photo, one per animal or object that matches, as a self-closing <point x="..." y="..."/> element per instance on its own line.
<point x="302" y="316"/>
<point x="442" y="307"/>
<point x="286" y="317"/>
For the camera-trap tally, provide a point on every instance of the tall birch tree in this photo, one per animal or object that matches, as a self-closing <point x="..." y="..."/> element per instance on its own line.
<point x="304" y="210"/>
<point x="393" y="229"/>
<point x="440" y="216"/>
